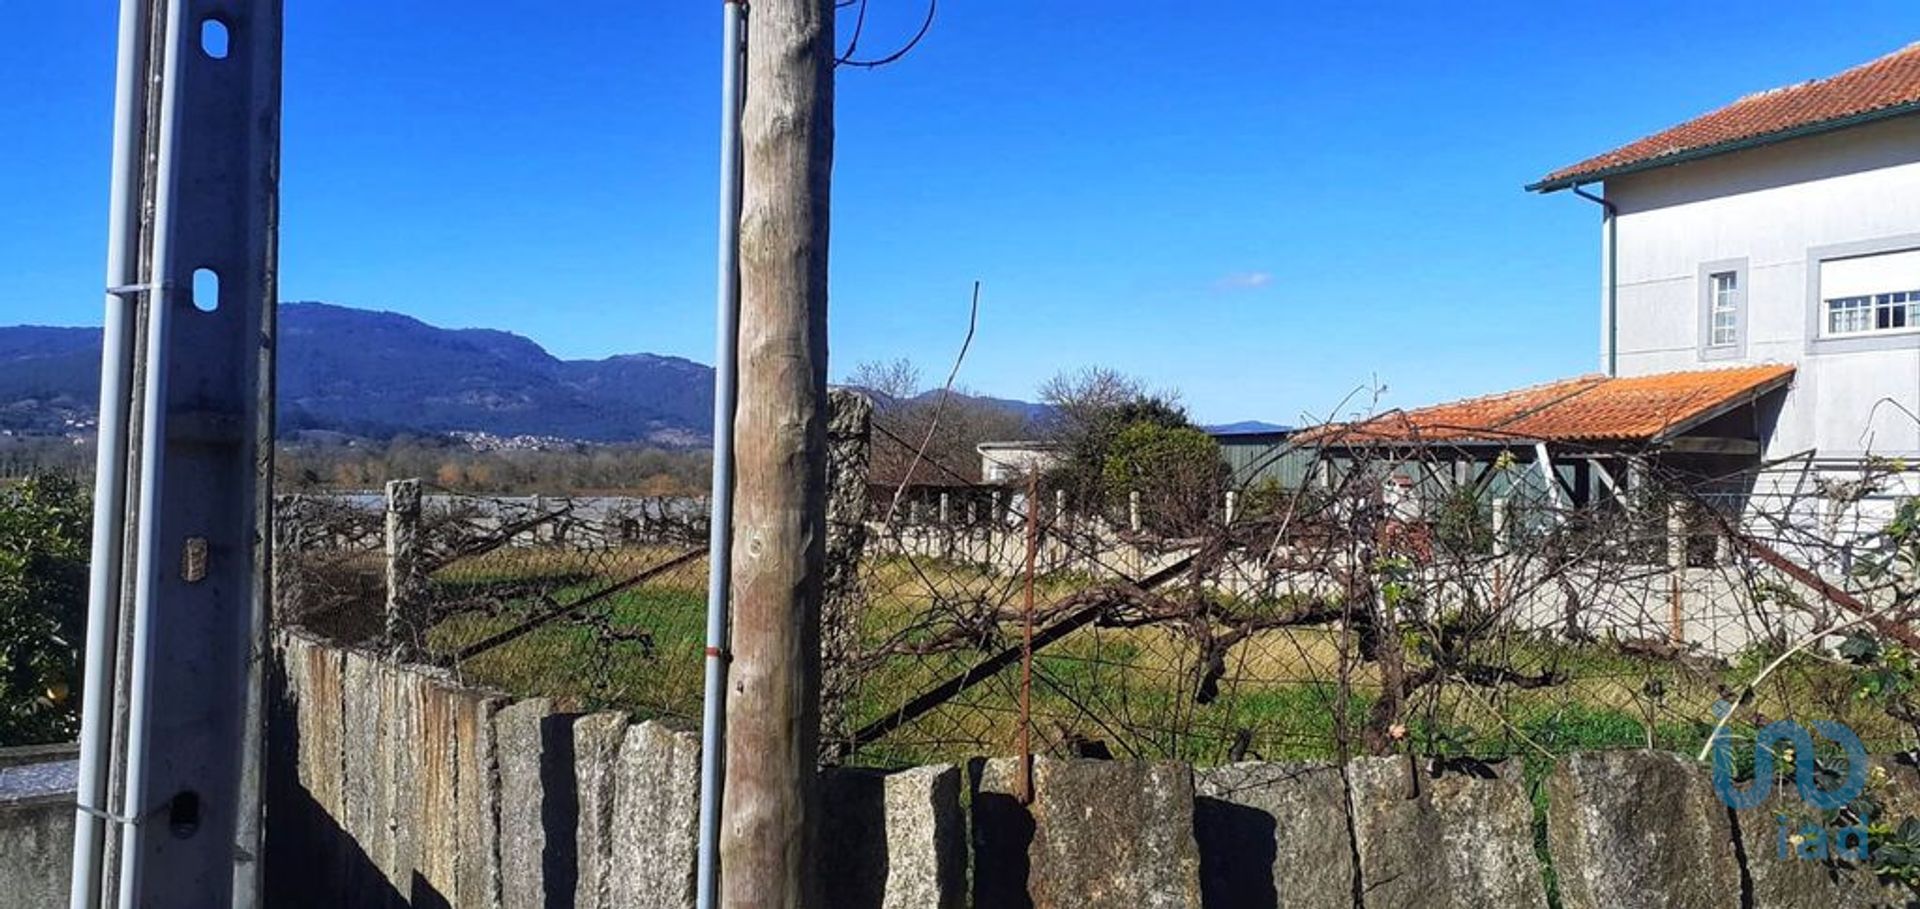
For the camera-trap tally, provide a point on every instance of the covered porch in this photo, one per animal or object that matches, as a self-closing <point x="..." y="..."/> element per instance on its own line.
<point x="1586" y="444"/>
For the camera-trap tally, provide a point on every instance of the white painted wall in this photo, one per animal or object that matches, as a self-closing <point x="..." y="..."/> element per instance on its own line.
<point x="1001" y="462"/>
<point x="1774" y="207"/>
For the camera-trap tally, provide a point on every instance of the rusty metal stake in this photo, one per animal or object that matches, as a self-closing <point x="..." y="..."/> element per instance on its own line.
<point x="1023" y="787"/>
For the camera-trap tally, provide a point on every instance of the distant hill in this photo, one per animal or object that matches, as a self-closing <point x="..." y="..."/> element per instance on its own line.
<point x="1246" y="428"/>
<point x="380" y="374"/>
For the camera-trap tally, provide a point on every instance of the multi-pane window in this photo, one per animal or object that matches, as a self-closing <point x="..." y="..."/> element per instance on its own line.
<point x="1872" y="294"/>
<point x="1873" y="312"/>
<point x="1723" y="309"/>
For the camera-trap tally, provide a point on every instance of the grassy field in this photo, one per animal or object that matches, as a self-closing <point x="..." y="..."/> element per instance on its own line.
<point x="1131" y="690"/>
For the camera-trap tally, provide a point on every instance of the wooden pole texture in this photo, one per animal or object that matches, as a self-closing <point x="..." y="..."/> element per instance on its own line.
<point x="769" y="807"/>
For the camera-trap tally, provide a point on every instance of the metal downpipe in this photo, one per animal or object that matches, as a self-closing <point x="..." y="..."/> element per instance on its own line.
<point x="110" y="455"/>
<point x="726" y="367"/>
<point x="1609" y="278"/>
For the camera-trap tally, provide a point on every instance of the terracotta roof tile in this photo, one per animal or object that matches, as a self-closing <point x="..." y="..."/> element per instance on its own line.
<point x="1636" y="409"/>
<point x="1887" y="86"/>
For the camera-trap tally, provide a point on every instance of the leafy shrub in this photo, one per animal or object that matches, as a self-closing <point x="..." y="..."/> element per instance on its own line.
<point x="1176" y="469"/>
<point x="44" y="527"/>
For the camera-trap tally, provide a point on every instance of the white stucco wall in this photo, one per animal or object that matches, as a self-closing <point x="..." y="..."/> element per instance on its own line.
<point x="1004" y="461"/>
<point x="1779" y="208"/>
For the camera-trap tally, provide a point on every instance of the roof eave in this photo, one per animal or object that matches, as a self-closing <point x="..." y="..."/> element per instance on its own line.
<point x="1736" y="402"/>
<point x="1720" y="148"/>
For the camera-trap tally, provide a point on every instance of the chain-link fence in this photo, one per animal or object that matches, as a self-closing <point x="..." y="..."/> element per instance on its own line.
<point x="1444" y="601"/>
<point x="599" y="599"/>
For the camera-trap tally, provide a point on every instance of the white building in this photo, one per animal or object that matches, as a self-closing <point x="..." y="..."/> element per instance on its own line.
<point x="1760" y="316"/>
<point x="1005" y="462"/>
<point x="1783" y="228"/>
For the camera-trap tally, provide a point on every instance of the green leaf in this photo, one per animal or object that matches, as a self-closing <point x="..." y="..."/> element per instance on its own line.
<point x="1860" y="649"/>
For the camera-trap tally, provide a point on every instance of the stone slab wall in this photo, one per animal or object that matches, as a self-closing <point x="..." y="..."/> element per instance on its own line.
<point x="394" y="786"/>
<point x="36" y="825"/>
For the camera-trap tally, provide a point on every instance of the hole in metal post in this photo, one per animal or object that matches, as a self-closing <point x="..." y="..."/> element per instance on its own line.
<point x="214" y="38"/>
<point x="206" y="289"/>
<point x="183" y="813"/>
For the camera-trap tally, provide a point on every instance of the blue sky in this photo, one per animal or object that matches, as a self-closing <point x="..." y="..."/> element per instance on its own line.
<point x="1264" y="206"/>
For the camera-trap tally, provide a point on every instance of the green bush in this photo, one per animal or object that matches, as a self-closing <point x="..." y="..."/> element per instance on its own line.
<point x="1176" y="469"/>
<point x="44" y="524"/>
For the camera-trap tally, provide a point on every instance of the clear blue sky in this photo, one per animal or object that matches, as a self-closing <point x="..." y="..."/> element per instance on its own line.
<point x="1263" y="205"/>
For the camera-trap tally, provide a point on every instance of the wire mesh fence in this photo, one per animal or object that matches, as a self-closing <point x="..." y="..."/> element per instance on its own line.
<point x="598" y="599"/>
<point x="1432" y="600"/>
<point x="1444" y="601"/>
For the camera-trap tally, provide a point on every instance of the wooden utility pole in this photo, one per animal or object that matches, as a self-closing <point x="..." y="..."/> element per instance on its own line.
<point x="773" y="709"/>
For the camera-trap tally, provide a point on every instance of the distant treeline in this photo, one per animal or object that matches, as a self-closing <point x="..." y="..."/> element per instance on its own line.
<point x="631" y="469"/>
<point x="359" y="464"/>
<point x="24" y="456"/>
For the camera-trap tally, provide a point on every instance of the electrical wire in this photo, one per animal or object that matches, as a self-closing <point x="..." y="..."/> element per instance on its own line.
<point x="926" y="25"/>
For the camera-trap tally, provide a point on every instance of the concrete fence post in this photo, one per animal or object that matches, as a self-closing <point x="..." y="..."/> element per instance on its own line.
<point x="1233" y="500"/>
<point x="288" y="537"/>
<point x="1677" y="569"/>
<point x="849" y="456"/>
<point x="405" y="626"/>
<point x="1053" y="553"/>
<point x="1133" y="511"/>
<point x="1501" y="519"/>
<point x="946" y="509"/>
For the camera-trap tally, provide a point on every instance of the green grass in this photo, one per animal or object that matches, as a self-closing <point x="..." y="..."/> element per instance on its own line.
<point x="1132" y="689"/>
<point x="650" y="664"/>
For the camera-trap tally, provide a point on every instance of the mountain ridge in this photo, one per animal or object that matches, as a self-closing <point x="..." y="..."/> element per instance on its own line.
<point x="379" y="374"/>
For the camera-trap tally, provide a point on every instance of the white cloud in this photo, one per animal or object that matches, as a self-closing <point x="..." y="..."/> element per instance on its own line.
<point x="1244" y="280"/>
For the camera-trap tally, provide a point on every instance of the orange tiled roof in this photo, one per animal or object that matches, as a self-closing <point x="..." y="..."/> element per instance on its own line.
<point x="1637" y="409"/>
<point x="1884" y="87"/>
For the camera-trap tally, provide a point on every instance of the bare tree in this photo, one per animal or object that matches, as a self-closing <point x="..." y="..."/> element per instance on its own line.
<point x="890" y="382"/>
<point x="949" y="422"/>
<point x="1091" y="408"/>
<point x="1079" y="397"/>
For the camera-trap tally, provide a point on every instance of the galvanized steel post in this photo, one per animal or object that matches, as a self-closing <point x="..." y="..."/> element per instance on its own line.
<point x="726" y="365"/>
<point x="196" y="559"/>
<point x="110" y="459"/>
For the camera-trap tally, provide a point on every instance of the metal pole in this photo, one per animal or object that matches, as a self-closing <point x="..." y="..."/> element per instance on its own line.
<point x="153" y="431"/>
<point x="1023" y="784"/>
<point x="195" y="658"/>
<point x="1609" y="280"/>
<point x="110" y="457"/>
<point x="726" y="366"/>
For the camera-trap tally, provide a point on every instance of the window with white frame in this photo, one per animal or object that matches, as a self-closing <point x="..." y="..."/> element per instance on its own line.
<point x="1878" y="312"/>
<point x="1864" y="295"/>
<point x="1723" y="309"/>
